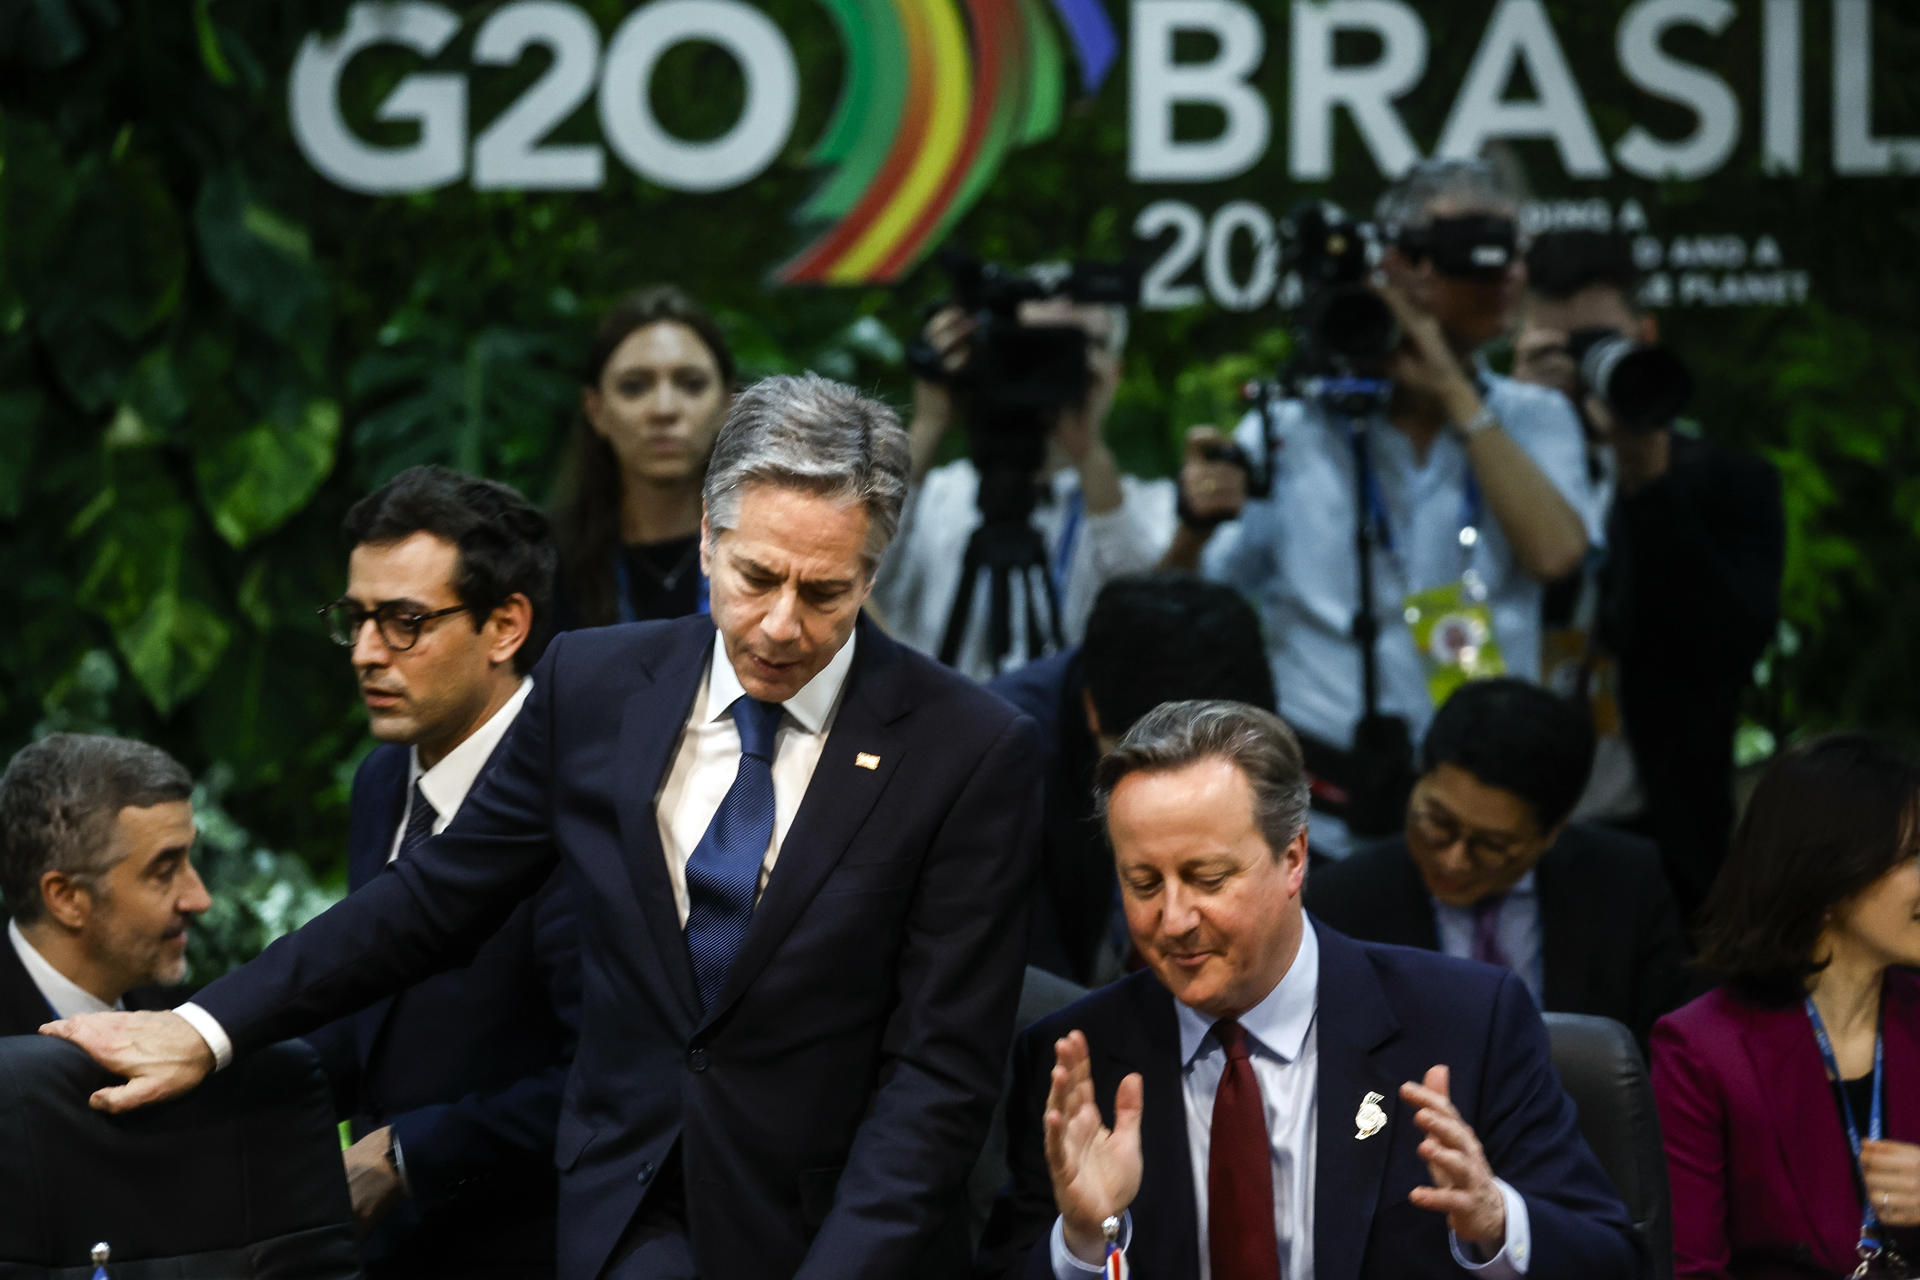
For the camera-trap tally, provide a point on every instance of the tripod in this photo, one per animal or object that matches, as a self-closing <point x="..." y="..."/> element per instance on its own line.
<point x="1006" y="551"/>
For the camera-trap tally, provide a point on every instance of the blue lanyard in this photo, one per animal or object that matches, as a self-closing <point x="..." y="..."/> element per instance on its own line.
<point x="1869" y="1220"/>
<point x="1069" y="536"/>
<point x="623" y="590"/>
<point x="1472" y="507"/>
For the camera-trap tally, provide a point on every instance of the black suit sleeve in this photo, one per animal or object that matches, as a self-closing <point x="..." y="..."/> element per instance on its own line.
<point x="430" y="913"/>
<point x="1660" y="976"/>
<point x="944" y="1050"/>
<point x="449" y="1146"/>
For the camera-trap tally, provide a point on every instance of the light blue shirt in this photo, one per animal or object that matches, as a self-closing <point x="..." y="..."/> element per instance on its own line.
<point x="1292" y="553"/>
<point x="1517" y="927"/>
<point x="1284" y="1046"/>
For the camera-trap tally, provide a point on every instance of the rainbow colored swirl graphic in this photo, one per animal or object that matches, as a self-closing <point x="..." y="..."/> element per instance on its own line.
<point x="937" y="93"/>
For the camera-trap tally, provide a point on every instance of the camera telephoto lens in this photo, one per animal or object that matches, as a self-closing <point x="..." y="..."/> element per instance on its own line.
<point x="1644" y="386"/>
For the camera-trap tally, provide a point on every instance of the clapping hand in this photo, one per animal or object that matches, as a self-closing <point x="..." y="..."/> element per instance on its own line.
<point x="1892" y="1174"/>
<point x="1095" y="1170"/>
<point x="1463" y="1186"/>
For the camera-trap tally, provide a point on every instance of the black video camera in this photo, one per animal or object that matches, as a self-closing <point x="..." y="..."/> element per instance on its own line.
<point x="1643" y="385"/>
<point x="1016" y="372"/>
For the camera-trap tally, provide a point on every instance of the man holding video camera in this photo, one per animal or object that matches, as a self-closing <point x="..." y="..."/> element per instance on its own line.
<point x="1395" y="510"/>
<point x="1661" y="632"/>
<point x="1001" y="553"/>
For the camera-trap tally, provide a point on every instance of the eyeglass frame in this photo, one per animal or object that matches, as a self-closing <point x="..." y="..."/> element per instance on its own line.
<point x="414" y="622"/>
<point x="1420" y="814"/>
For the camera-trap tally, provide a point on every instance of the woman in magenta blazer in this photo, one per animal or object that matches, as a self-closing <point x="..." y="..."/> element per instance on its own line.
<point x="1814" y="913"/>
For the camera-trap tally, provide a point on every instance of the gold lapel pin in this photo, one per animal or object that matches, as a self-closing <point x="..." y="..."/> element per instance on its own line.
<point x="1369" y="1119"/>
<point x="865" y="760"/>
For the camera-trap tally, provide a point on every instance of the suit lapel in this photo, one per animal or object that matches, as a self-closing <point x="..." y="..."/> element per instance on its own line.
<point x="1805" y="1122"/>
<point x="1405" y="896"/>
<point x="22" y="1007"/>
<point x="838" y="799"/>
<point x="1900" y="1025"/>
<point x="1152" y="1047"/>
<point x="378" y="802"/>
<point x="1355" y="1023"/>
<point x="650" y="729"/>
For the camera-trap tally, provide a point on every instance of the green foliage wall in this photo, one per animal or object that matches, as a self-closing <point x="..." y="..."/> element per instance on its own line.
<point x="207" y="352"/>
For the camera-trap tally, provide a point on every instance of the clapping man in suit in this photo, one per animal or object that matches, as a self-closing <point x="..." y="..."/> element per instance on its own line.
<point x="1490" y="869"/>
<point x="1271" y="1098"/>
<point x="96" y="868"/>
<point x="800" y="853"/>
<point x="453" y="1085"/>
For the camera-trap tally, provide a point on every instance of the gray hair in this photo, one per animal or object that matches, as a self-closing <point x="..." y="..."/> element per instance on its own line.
<point x="1176" y="734"/>
<point x="807" y="432"/>
<point x="60" y="803"/>
<point x="1476" y="183"/>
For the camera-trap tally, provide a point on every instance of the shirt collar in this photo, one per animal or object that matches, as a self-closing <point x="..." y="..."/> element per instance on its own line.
<point x="812" y="707"/>
<point x="66" y="997"/>
<point x="1280" y="1022"/>
<point x="447" y="783"/>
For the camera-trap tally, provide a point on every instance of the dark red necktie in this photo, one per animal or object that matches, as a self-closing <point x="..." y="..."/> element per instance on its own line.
<point x="1240" y="1238"/>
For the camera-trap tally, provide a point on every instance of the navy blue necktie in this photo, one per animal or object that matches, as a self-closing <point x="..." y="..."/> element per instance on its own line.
<point x="420" y="816"/>
<point x="724" y="872"/>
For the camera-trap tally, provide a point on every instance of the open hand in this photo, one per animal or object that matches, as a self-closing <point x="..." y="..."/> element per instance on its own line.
<point x="1095" y="1170"/>
<point x="1463" y="1186"/>
<point x="160" y="1054"/>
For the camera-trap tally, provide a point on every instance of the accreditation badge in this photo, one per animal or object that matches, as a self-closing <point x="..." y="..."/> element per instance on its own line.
<point x="1453" y="630"/>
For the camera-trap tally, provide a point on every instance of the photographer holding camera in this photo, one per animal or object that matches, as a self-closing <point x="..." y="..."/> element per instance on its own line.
<point x="1661" y="632"/>
<point x="1001" y="553"/>
<point x="1395" y="513"/>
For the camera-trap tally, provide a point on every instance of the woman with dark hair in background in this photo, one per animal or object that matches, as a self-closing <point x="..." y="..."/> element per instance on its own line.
<point x="1790" y="1097"/>
<point x="656" y="388"/>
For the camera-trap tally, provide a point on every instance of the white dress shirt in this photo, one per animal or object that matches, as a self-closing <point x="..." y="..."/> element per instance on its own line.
<point x="1292" y="553"/>
<point x="921" y="571"/>
<point x="1283" y="1042"/>
<point x="447" y="783"/>
<point x="1517" y="927"/>
<point x="63" y="995"/>
<point x="708" y="757"/>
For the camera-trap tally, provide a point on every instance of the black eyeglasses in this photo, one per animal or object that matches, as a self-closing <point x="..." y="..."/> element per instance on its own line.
<point x="399" y="627"/>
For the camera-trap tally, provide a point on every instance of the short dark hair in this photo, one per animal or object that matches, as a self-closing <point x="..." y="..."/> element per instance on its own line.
<point x="1514" y="735"/>
<point x="1827" y="819"/>
<point x="1561" y="264"/>
<point x="60" y="799"/>
<point x="504" y="542"/>
<point x="1155" y="638"/>
<point x="1256" y="741"/>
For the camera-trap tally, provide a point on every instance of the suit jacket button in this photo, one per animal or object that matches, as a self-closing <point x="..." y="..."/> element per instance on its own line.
<point x="697" y="1059"/>
<point x="646" y="1170"/>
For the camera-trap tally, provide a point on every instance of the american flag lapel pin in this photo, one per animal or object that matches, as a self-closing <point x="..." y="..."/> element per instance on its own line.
<point x="865" y="760"/>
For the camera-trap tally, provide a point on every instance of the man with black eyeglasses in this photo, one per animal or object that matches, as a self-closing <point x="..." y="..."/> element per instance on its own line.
<point x="453" y="1086"/>
<point x="1488" y="868"/>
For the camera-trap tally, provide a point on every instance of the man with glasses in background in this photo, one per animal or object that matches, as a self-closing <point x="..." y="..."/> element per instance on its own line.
<point x="453" y="1086"/>
<point x="1489" y="869"/>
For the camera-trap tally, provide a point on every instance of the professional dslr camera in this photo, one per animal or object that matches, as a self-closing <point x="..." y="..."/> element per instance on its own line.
<point x="1643" y="385"/>
<point x="1016" y="372"/>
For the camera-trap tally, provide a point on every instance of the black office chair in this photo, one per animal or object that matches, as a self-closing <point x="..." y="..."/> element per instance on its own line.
<point x="1602" y="1071"/>
<point x="239" y="1180"/>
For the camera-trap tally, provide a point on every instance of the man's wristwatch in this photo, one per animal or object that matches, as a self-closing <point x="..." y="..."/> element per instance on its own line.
<point x="1479" y="422"/>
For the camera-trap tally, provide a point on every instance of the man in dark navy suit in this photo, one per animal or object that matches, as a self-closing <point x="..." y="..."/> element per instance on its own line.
<point x="1272" y="1098"/>
<point x="96" y="870"/>
<point x="800" y="853"/>
<point x="452" y="1086"/>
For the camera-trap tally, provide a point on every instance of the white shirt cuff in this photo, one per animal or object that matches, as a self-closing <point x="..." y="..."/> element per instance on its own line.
<point x="202" y="1021"/>
<point x="1516" y="1251"/>
<point x="1065" y="1265"/>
